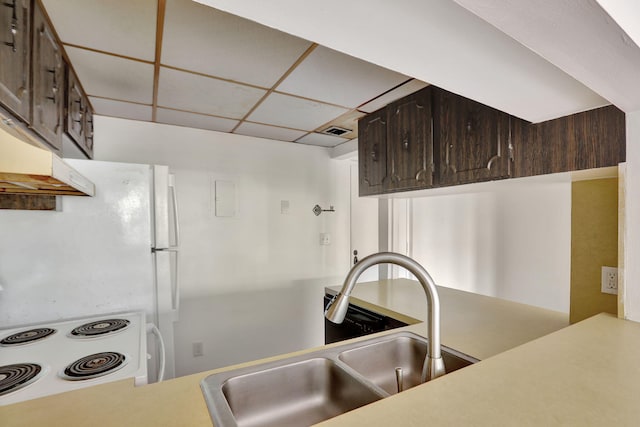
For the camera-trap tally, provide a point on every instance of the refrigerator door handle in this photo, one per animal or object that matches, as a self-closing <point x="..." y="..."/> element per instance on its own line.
<point x="171" y="249"/>
<point x="176" y="289"/>
<point x="174" y="198"/>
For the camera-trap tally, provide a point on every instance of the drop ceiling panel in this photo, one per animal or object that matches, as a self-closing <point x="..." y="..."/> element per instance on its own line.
<point x="336" y="78"/>
<point x="404" y="90"/>
<point x="125" y="27"/>
<point x="110" y="76"/>
<point x="125" y="110"/>
<point x="192" y="120"/>
<point x="192" y="92"/>
<point x="212" y="42"/>
<point x="322" y="140"/>
<point x="296" y="113"/>
<point x="271" y="132"/>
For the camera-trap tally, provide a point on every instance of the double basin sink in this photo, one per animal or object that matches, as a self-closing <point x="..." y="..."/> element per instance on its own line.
<point x="307" y="389"/>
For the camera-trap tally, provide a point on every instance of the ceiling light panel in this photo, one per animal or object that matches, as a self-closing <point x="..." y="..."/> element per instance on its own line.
<point x="322" y="140"/>
<point x="336" y="78"/>
<point x="110" y="76"/>
<point x="212" y="42"/>
<point x="270" y="132"/>
<point x="124" y="27"/>
<point x="296" y="113"/>
<point x="193" y="92"/>
<point x="125" y="110"/>
<point x="192" y="120"/>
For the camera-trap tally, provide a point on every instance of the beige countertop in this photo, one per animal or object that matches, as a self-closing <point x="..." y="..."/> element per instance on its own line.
<point x="474" y="324"/>
<point x="586" y="374"/>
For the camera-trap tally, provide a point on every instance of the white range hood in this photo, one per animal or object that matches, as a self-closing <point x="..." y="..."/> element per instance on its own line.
<point x="27" y="169"/>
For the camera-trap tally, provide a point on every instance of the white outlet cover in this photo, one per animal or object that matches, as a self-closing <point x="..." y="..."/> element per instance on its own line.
<point x="609" y="280"/>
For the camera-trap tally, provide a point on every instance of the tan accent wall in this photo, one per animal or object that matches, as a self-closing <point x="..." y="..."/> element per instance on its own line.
<point x="594" y="243"/>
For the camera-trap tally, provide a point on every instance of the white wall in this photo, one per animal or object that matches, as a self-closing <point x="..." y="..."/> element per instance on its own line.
<point x="632" y="217"/>
<point x="238" y="273"/>
<point x="508" y="239"/>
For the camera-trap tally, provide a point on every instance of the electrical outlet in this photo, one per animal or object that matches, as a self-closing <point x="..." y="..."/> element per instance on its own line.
<point x="609" y="281"/>
<point x="198" y="349"/>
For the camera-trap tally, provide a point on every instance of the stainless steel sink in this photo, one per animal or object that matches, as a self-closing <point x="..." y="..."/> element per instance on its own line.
<point x="302" y="393"/>
<point x="378" y="361"/>
<point x="307" y="389"/>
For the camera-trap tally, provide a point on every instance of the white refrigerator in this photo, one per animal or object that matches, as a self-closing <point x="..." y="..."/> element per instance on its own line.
<point x="115" y="252"/>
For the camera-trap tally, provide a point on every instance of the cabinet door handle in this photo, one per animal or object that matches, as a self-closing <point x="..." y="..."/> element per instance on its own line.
<point x="13" y="27"/>
<point x="405" y="141"/>
<point x="374" y="155"/>
<point x="54" y="86"/>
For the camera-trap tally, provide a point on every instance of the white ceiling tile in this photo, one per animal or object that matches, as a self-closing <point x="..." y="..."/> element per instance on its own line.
<point x="404" y="90"/>
<point x="125" y="27"/>
<point x="125" y="110"/>
<point x="330" y="76"/>
<point x="322" y="140"/>
<point x="209" y="41"/>
<point x="192" y="92"/>
<point x="193" y="120"/>
<point x="296" y="113"/>
<point x="270" y="132"/>
<point x="109" y="76"/>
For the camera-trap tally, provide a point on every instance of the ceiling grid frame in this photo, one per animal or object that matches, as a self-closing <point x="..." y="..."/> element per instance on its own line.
<point x="158" y="65"/>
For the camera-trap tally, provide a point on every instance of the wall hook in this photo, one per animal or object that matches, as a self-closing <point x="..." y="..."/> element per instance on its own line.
<point x="318" y="210"/>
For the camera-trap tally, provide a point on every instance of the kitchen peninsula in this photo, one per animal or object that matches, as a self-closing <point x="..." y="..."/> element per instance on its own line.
<point x="525" y="376"/>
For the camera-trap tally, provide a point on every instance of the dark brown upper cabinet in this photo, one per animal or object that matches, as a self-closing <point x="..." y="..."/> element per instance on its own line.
<point x="471" y="140"/>
<point x="48" y="82"/>
<point x="434" y="138"/>
<point x="373" y="168"/>
<point x="395" y="146"/>
<point x="79" y="118"/>
<point x="592" y="139"/>
<point x="15" y="56"/>
<point x="410" y="142"/>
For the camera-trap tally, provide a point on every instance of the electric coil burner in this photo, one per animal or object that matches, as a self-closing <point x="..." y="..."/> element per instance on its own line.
<point x="16" y="376"/>
<point x="94" y="366"/>
<point x="100" y="327"/>
<point x="26" y="337"/>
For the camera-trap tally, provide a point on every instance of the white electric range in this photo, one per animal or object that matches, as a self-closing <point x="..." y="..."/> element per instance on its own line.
<point x="39" y="360"/>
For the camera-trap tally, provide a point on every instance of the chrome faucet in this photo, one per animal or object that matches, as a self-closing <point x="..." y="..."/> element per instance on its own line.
<point x="337" y="308"/>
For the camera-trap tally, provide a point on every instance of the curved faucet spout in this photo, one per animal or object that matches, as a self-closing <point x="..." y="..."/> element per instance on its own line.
<point x="337" y="308"/>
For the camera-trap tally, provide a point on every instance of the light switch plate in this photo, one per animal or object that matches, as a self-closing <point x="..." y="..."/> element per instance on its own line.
<point x="325" y="239"/>
<point x="609" y="280"/>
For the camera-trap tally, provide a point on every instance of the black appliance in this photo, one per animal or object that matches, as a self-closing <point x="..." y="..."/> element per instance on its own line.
<point x="358" y="322"/>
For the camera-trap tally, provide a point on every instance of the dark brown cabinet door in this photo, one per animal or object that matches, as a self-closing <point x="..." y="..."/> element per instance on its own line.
<point x="14" y="56"/>
<point x="48" y="82"/>
<point x="88" y="131"/>
<point x="410" y="143"/>
<point x="79" y="118"/>
<point x="587" y="140"/>
<point x="471" y="140"/>
<point x="372" y="153"/>
<point x="75" y="109"/>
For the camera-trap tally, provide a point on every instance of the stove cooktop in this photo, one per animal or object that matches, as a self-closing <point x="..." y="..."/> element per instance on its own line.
<point x="61" y="356"/>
